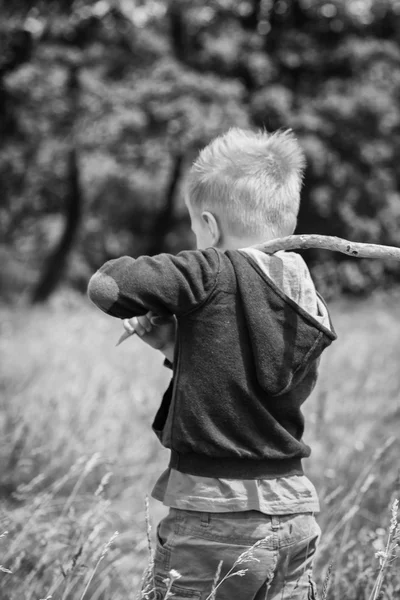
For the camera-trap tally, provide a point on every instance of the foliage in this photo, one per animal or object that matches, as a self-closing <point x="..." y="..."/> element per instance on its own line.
<point x="157" y="80"/>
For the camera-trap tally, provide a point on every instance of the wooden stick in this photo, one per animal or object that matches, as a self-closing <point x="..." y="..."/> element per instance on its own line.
<point x="327" y="242"/>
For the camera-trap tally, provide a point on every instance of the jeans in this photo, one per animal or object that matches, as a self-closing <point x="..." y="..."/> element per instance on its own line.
<point x="193" y="543"/>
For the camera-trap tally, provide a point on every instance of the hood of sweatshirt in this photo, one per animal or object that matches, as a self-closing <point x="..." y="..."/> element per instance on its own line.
<point x="287" y="321"/>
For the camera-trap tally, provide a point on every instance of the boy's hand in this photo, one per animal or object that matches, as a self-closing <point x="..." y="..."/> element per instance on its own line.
<point x="158" y="332"/>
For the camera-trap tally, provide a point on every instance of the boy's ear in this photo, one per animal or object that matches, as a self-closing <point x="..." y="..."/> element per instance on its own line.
<point x="212" y="226"/>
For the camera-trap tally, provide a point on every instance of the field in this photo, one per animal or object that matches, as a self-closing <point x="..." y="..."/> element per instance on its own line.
<point x="78" y="456"/>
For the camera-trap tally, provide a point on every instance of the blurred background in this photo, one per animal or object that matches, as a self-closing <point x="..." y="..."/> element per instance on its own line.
<point x="103" y="106"/>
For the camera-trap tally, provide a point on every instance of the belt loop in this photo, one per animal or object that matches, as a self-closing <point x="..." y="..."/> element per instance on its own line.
<point x="275" y="523"/>
<point x="205" y="519"/>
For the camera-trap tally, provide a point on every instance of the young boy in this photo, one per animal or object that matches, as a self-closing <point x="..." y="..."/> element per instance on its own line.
<point x="243" y="332"/>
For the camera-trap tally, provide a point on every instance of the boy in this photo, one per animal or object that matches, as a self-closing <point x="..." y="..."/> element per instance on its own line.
<point x="243" y="332"/>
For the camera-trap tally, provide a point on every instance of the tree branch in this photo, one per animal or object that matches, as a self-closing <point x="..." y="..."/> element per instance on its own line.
<point x="327" y="242"/>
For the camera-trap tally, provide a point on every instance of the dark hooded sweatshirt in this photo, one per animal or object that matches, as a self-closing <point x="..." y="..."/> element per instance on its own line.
<point x="246" y="358"/>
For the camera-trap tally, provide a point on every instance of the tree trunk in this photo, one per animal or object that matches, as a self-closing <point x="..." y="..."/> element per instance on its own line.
<point x="164" y="220"/>
<point x="55" y="266"/>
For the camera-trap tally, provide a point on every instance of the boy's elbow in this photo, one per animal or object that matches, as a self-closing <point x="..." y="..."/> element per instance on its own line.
<point x="103" y="290"/>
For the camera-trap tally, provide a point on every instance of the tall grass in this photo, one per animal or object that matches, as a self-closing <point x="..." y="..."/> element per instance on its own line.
<point x="78" y="455"/>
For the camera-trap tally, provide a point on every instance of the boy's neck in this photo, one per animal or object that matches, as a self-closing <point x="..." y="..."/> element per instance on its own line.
<point x="234" y="243"/>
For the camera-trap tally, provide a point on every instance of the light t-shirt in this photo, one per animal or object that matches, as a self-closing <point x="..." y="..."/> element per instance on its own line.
<point x="283" y="495"/>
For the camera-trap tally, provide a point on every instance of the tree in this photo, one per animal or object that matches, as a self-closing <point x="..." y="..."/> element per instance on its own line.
<point x="157" y="80"/>
<point x="54" y="270"/>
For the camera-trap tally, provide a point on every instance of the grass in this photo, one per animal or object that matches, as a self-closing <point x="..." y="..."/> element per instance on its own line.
<point x="78" y="456"/>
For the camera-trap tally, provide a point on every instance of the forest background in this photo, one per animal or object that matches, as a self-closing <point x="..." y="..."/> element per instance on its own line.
<point x="103" y="106"/>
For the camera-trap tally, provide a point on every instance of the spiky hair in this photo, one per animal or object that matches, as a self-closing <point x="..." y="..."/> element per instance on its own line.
<point x="250" y="180"/>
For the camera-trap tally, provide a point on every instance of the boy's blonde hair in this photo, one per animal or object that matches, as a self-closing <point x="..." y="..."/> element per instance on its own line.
<point x="250" y="180"/>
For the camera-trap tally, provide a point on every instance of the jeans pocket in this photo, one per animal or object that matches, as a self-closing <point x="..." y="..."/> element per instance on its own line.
<point x="306" y="527"/>
<point x="312" y="589"/>
<point x="160" y="541"/>
<point x="177" y="592"/>
<point x="162" y="556"/>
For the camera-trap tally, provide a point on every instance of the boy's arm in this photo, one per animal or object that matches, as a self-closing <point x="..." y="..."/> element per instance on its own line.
<point x="165" y="284"/>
